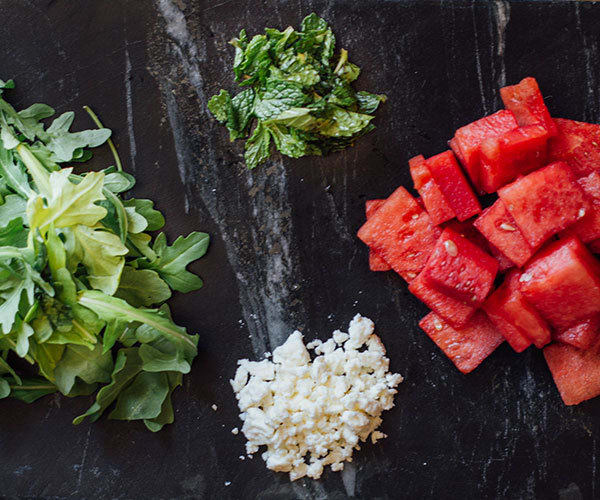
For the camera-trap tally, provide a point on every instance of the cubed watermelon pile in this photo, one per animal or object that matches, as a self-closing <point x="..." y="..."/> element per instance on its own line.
<point x="521" y="270"/>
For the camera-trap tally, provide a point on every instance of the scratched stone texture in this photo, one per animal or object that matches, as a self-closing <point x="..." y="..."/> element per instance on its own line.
<point x="284" y="254"/>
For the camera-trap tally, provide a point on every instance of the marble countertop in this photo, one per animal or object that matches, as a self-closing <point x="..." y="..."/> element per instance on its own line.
<point x="284" y="253"/>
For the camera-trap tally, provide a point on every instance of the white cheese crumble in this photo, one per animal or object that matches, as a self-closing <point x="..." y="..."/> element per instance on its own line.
<point x="310" y="414"/>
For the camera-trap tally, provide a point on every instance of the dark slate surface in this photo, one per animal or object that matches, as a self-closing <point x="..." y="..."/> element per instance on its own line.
<point x="284" y="253"/>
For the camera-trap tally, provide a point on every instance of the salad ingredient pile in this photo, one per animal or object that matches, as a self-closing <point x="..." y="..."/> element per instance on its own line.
<point x="539" y="234"/>
<point x="83" y="284"/>
<point x="310" y="414"/>
<point x="297" y="95"/>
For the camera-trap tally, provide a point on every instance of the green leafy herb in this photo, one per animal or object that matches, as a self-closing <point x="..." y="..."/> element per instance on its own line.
<point x="298" y="95"/>
<point x="82" y="284"/>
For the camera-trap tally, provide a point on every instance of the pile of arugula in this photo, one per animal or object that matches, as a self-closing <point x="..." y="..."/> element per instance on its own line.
<point x="299" y="95"/>
<point x="79" y="275"/>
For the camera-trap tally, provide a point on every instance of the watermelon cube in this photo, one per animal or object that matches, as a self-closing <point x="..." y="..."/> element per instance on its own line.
<point x="436" y="205"/>
<point x="455" y="312"/>
<point x="545" y="202"/>
<point x="501" y="230"/>
<point x="577" y="143"/>
<point x="460" y="269"/>
<point x="562" y="283"/>
<point x="452" y="183"/>
<point x="588" y="227"/>
<point x="594" y="246"/>
<point x="518" y="321"/>
<point x="583" y="335"/>
<point x="467" y="140"/>
<point x="504" y="263"/>
<point x="576" y="372"/>
<point x="467" y="229"/>
<point x="376" y="262"/>
<point x="518" y="151"/>
<point x="401" y="233"/>
<point x="527" y="103"/>
<point x="466" y="347"/>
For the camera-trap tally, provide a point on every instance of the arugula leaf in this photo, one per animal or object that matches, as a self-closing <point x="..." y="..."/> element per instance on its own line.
<point x="47" y="357"/>
<point x="296" y="94"/>
<point x="171" y="261"/>
<point x="89" y="366"/>
<point x="12" y="209"/>
<point x="67" y="204"/>
<point x="142" y="287"/>
<point x="118" y="182"/>
<point x="166" y="415"/>
<point x="64" y="144"/>
<point x="13" y="174"/>
<point x="145" y="208"/>
<point x="101" y="252"/>
<point x="114" y="309"/>
<point x="32" y="389"/>
<point x="79" y="233"/>
<point x="127" y="365"/>
<point x="143" y="398"/>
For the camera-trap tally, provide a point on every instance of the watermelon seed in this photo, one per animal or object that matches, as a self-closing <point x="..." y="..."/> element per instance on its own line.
<point x="437" y="325"/>
<point x="595" y="143"/>
<point x="451" y="248"/>
<point x="581" y="212"/>
<point x="474" y="298"/>
<point x="507" y="227"/>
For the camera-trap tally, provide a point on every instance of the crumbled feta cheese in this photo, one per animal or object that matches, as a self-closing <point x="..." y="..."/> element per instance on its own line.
<point x="235" y="431"/>
<point x="310" y="414"/>
<point x="215" y="407"/>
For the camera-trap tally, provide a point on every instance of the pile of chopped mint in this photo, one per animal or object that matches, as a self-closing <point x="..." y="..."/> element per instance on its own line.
<point x="83" y="284"/>
<point x="298" y="96"/>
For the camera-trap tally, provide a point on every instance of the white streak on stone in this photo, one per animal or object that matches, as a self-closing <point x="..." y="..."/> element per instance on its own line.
<point x="501" y="9"/>
<point x="259" y="249"/>
<point x="129" y="104"/>
<point x="589" y="74"/>
<point x="349" y="478"/>
<point x="478" y="62"/>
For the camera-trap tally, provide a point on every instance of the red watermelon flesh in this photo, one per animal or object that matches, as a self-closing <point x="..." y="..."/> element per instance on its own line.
<point x="455" y="312"/>
<point x="460" y="269"/>
<point x="436" y="205"/>
<point x="562" y="284"/>
<point x="583" y="335"/>
<point x="576" y="372"/>
<point x="467" y="346"/>
<point x="517" y="151"/>
<point x="467" y="229"/>
<point x="501" y="230"/>
<point x="588" y="227"/>
<point x="545" y="202"/>
<point x="594" y="246"/>
<point x="494" y="309"/>
<point x="401" y="233"/>
<point x="577" y="143"/>
<point x="454" y="186"/>
<point x="504" y="263"/>
<point x="527" y="103"/>
<point x="467" y="140"/>
<point x="376" y="262"/>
